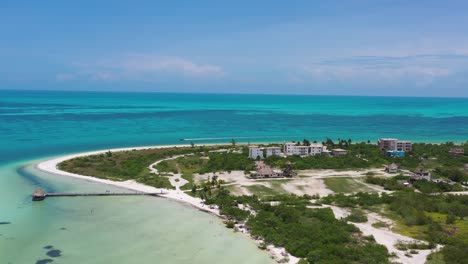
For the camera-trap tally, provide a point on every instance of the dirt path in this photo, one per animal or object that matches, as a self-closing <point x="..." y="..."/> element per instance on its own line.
<point x="176" y="179"/>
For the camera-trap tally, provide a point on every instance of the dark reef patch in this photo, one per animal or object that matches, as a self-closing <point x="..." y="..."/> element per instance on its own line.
<point x="54" y="253"/>
<point x="44" y="261"/>
<point x="5" y="223"/>
<point x="48" y="247"/>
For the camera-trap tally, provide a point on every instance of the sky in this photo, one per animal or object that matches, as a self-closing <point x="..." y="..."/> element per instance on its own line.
<point x="378" y="48"/>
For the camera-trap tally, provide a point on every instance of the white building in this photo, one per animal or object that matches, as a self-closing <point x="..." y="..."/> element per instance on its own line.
<point x="292" y="148"/>
<point x="272" y="151"/>
<point x="255" y="152"/>
<point x="316" y="149"/>
<point x="262" y="152"/>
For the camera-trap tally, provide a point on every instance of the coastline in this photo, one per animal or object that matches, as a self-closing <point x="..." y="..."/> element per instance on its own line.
<point x="50" y="166"/>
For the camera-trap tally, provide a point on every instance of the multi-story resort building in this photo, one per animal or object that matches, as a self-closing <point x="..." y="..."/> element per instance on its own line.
<point x="273" y="151"/>
<point x="255" y="152"/>
<point x="263" y="152"/>
<point x="395" y="147"/>
<point x="292" y="148"/>
<point x="316" y="149"/>
<point x="393" y="144"/>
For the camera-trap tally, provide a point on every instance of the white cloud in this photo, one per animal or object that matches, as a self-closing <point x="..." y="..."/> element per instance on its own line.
<point x="145" y="63"/>
<point x="420" y="70"/>
<point x="141" y="67"/>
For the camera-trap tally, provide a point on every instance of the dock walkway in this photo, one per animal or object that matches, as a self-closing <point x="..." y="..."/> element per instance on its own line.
<point x="40" y="195"/>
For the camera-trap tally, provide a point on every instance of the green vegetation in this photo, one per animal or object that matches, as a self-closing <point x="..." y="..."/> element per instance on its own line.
<point x="313" y="234"/>
<point x="344" y="185"/>
<point x="435" y="258"/>
<point x="365" y="155"/>
<point x="380" y="224"/>
<point x="154" y="180"/>
<point x="166" y="166"/>
<point x="360" y="156"/>
<point x="357" y="216"/>
<point x="432" y="156"/>
<point x="204" y="162"/>
<point x="225" y="161"/>
<point x="411" y="246"/>
<point x="421" y="185"/>
<point x="261" y="190"/>
<point x="189" y="178"/>
<point x="438" y="219"/>
<point x="131" y="164"/>
<point x="273" y="189"/>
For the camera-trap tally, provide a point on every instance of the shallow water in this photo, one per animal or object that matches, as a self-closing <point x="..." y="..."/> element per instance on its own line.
<point x="111" y="229"/>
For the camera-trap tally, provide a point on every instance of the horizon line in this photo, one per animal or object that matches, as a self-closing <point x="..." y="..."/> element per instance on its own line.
<point x="226" y="93"/>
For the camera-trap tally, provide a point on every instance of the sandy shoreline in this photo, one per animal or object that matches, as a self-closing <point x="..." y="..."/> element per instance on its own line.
<point x="50" y="166"/>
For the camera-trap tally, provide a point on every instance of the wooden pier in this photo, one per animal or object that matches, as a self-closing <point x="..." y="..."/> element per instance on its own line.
<point x="40" y="195"/>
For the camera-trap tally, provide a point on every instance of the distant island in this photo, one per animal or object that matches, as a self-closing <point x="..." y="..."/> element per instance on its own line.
<point x="307" y="201"/>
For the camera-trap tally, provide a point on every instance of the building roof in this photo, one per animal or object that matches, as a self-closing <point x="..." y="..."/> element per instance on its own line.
<point x="316" y="145"/>
<point x="392" y="166"/>
<point x="388" y="139"/>
<point x="263" y="169"/>
<point x="253" y="146"/>
<point x="339" y="150"/>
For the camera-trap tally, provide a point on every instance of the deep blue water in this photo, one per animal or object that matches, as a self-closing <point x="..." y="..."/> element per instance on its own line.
<point x="39" y="123"/>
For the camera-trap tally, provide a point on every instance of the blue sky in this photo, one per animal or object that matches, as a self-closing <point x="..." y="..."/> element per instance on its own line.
<point x="399" y="48"/>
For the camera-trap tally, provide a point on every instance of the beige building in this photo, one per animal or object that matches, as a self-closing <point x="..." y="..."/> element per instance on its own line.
<point x="339" y="152"/>
<point x="457" y="151"/>
<point x="393" y="144"/>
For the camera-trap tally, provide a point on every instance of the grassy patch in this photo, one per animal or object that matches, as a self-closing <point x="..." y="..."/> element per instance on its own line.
<point x="189" y="178"/>
<point x="435" y="258"/>
<point x="262" y="190"/>
<point x="166" y="166"/>
<point x="345" y="185"/>
<point x="155" y="180"/>
<point x="380" y="224"/>
<point x="460" y="227"/>
<point x="356" y="216"/>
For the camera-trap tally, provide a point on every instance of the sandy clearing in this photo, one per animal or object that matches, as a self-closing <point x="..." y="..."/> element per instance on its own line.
<point x="389" y="239"/>
<point x="310" y="186"/>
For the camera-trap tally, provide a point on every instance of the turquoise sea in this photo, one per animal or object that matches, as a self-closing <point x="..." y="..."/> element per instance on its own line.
<point x="36" y="125"/>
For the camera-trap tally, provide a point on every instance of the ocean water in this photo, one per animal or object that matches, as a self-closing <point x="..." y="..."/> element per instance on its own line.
<point x="37" y="125"/>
